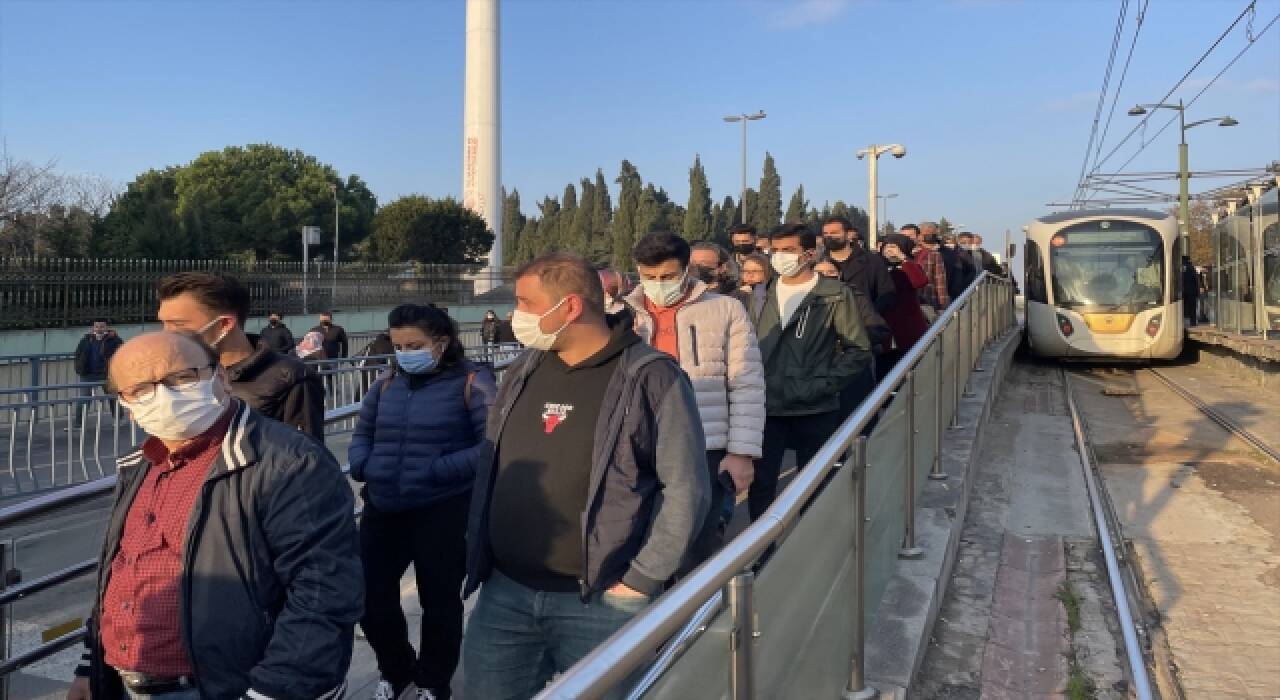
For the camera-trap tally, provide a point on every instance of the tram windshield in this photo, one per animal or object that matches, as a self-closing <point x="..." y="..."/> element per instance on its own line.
<point x="1115" y="265"/>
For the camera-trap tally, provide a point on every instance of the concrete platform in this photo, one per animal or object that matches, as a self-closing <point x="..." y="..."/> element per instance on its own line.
<point x="901" y="627"/>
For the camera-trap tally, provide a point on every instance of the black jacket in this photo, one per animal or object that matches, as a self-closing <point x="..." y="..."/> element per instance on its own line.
<point x="505" y="334"/>
<point x="278" y="338"/>
<point x="335" y="340"/>
<point x="489" y="330"/>
<point x="281" y="387"/>
<point x="650" y="488"/>
<point x="867" y="272"/>
<point x="110" y="343"/>
<point x="272" y="585"/>
<point x="960" y="270"/>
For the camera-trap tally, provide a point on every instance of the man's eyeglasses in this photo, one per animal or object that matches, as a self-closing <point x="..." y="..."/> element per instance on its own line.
<point x="141" y="393"/>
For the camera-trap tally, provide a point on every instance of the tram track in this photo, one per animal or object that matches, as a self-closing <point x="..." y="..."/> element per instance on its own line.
<point x="1146" y="650"/>
<point x="1216" y="416"/>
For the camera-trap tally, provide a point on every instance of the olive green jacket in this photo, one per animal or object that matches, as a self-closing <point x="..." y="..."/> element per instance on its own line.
<point x="821" y="349"/>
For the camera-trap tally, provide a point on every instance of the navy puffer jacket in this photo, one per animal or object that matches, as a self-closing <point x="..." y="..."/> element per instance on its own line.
<point x="415" y="446"/>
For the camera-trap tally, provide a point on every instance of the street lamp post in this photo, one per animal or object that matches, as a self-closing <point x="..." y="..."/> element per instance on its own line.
<point x="1184" y="171"/>
<point x="875" y="151"/>
<point x="884" y="206"/>
<point x="744" y="118"/>
<point x="333" y="295"/>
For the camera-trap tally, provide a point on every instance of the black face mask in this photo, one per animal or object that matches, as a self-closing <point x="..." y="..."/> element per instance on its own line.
<point x="833" y="243"/>
<point x="744" y="248"/>
<point x="275" y="322"/>
<point x="705" y="274"/>
<point x="326" y="323"/>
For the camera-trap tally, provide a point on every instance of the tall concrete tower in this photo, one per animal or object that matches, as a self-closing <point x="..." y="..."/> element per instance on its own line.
<point x="481" y="149"/>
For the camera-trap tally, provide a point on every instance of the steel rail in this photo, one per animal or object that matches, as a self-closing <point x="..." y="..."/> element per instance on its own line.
<point x="1128" y="628"/>
<point x="1218" y="417"/>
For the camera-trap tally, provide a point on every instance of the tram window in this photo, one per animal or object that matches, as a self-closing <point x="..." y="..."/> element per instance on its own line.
<point x="1119" y="265"/>
<point x="1034" y="274"/>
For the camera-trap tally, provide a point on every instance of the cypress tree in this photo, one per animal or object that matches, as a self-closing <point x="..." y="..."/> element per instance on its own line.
<point x="751" y="204"/>
<point x="840" y="209"/>
<point x="697" y="217"/>
<point x="579" y="238"/>
<point x="649" y="212"/>
<point x="797" y="207"/>
<point x="768" y="209"/>
<point x="512" y="225"/>
<point x="549" y="238"/>
<point x="630" y="188"/>
<point x="528" y="245"/>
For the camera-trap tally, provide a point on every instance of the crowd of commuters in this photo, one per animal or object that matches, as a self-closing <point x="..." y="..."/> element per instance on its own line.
<point x="605" y="465"/>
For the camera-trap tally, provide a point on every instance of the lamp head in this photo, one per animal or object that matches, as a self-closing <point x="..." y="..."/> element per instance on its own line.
<point x="1137" y="111"/>
<point x="1228" y="121"/>
<point x="898" y="150"/>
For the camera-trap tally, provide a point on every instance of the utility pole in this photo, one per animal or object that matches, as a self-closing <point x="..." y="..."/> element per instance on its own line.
<point x="333" y="295"/>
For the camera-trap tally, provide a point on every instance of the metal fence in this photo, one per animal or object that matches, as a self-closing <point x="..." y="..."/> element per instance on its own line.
<point x="794" y="625"/>
<point x="57" y="292"/>
<point x="58" y="368"/>
<point x="58" y="435"/>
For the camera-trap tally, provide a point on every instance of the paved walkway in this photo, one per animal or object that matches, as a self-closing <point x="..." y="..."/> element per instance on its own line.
<point x="1002" y="632"/>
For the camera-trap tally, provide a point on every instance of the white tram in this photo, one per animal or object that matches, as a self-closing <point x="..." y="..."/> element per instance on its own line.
<point x="1104" y="284"/>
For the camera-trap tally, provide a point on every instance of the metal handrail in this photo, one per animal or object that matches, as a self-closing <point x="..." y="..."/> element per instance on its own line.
<point x="81" y="493"/>
<point x="635" y="643"/>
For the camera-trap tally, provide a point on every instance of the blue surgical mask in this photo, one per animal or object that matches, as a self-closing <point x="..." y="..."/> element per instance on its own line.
<point x="416" y="361"/>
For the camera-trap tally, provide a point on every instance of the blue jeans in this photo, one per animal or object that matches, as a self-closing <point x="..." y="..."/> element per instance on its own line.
<point x="518" y="638"/>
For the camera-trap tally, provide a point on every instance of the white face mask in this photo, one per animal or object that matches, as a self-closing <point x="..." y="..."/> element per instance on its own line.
<point x="209" y="325"/>
<point x="664" y="292"/>
<point x="786" y="264"/>
<point x="178" y="414"/>
<point x="527" y="327"/>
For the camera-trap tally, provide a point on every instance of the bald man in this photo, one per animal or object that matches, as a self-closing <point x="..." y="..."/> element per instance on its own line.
<point x="231" y="565"/>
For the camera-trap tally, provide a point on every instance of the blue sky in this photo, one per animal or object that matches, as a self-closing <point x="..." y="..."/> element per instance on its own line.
<point x="993" y="100"/>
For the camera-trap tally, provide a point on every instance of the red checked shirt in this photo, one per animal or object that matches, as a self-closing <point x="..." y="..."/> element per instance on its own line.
<point x="141" y="630"/>
<point x="935" y="293"/>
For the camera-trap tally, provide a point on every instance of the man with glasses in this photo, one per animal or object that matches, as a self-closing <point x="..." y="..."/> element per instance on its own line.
<point x="230" y="567"/>
<point x="216" y="307"/>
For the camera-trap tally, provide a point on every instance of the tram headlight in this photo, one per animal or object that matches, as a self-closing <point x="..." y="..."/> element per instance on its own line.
<point x="1153" y="326"/>
<point x="1065" y="326"/>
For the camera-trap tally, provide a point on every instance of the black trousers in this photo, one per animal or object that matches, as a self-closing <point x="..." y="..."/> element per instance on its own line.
<point x="710" y="537"/>
<point x="804" y="434"/>
<point x="432" y="538"/>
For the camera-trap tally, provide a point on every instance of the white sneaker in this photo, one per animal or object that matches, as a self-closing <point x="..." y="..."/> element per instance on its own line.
<point x="424" y="694"/>
<point x="384" y="691"/>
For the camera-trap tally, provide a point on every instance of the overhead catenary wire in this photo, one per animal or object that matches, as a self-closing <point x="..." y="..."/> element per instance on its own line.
<point x="1252" y="40"/>
<point x="1124" y="72"/>
<point x="1102" y="96"/>
<point x="1140" y="125"/>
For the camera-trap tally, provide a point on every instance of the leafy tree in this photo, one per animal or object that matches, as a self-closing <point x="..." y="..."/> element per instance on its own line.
<point x="649" y="213"/>
<point x="144" y="223"/>
<point x="549" y="237"/>
<point x="579" y="237"/>
<point x="424" y="230"/>
<point x="512" y="223"/>
<point x="254" y="200"/>
<point x="697" y="218"/>
<point x="1200" y="231"/>
<point x="798" y="205"/>
<point x="839" y="209"/>
<point x="530" y="243"/>
<point x="630" y="187"/>
<point x="945" y="226"/>
<point x="768" y="209"/>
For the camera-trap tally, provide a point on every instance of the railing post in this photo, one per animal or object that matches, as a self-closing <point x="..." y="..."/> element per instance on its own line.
<point x="955" y="372"/>
<point x="909" y="549"/>
<point x="740" y="591"/>
<point x="980" y="299"/>
<point x="858" y="688"/>
<point x="973" y="352"/>
<point x="935" y="471"/>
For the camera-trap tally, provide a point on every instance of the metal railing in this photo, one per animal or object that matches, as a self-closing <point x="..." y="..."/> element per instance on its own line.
<point x="36" y="510"/>
<point x="787" y="601"/>
<point x="54" y="436"/>
<point x="58" y="368"/>
<point x="64" y="292"/>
